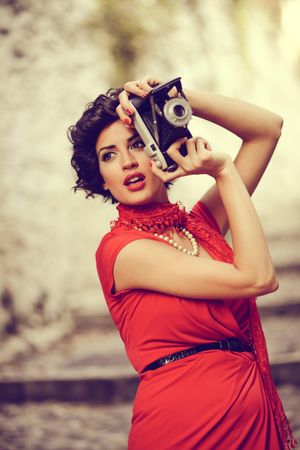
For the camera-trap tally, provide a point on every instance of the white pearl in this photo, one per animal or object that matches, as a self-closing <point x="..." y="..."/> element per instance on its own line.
<point x="175" y="244"/>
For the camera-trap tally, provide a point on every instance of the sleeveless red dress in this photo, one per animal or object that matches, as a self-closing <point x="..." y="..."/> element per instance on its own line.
<point x="211" y="400"/>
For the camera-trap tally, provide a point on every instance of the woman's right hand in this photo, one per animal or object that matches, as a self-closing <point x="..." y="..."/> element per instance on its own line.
<point x="141" y="88"/>
<point x="200" y="159"/>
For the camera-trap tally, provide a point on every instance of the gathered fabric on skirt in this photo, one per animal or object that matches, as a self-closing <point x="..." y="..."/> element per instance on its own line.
<point x="211" y="400"/>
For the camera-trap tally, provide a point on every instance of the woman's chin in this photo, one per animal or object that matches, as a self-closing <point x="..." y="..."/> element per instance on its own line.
<point x="143" y="199"/>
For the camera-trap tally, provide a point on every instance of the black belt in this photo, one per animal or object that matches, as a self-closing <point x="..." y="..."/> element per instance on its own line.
<point x="234" y="345"/>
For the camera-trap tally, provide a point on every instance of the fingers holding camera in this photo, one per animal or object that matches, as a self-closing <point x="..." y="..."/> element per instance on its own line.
<point x="187" y="165"/>
<point x="166" y="176"/>
<point x="147" y="84"/>
<point x="140" y="88"/>
<point x="127" y="121"/>
<point x="174" y="153"/>
<point x="152" y="81"/>
<point x="124" y="109"/>
<point x="197" y="149"/>
<point x="200" y="158"/>
<point x="203" y="144"/>
<point x="136" y="87"/>
<point x="208" y="162"/>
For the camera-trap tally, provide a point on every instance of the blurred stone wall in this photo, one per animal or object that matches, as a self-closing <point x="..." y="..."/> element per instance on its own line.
<point x="56" y="57"/>
<point x="48" y="72"/>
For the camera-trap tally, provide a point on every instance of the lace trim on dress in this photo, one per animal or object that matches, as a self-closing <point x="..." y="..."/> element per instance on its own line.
<point x="154" y="217"/>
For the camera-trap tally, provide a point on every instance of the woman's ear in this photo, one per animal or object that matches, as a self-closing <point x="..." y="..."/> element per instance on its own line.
<point x="104" y="186"/>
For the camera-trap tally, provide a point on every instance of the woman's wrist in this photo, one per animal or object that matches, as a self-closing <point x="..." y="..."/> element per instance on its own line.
<point x="194" y="99"/>
<point x="226" y="170"/>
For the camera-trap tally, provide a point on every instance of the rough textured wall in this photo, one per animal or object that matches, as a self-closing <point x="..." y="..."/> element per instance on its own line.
<point x="41" y="91"/>
<point x="57" y="56"/>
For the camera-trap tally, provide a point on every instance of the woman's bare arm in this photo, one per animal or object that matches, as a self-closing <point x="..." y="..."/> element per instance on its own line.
<point x="247" y="121"/>
<point x="259" y="130"/>
<point x="159" y="267"/>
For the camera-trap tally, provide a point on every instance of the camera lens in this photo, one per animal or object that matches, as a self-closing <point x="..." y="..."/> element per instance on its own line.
<point x="179" y="110"/>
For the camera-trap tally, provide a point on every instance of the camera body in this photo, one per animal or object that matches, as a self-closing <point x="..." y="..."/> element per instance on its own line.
<point x="161" y="119"/>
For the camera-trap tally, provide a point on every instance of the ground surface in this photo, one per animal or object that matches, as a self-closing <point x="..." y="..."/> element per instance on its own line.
<point x="59" y="426"/>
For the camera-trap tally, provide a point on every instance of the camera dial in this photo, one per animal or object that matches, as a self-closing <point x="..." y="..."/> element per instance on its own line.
<point x="177" y="112"/>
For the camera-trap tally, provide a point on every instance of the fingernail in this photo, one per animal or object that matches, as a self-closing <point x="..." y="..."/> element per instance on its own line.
<point x="127" y="121"/>
<point x="129" y="110"/>
<point x="145" y="94"/>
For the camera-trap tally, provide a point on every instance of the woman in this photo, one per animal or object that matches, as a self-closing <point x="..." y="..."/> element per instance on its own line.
<point x="181" y="298"/>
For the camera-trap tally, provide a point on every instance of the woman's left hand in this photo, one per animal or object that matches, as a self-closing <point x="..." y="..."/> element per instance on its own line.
<point x="138" y="87"/>
<point x="200" y="159"/>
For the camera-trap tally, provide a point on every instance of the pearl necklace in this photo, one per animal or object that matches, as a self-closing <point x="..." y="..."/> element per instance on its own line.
<point x="175" y="244"/>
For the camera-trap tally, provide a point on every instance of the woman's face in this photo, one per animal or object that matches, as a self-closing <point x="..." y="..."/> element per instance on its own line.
<point x="126" y="168"/>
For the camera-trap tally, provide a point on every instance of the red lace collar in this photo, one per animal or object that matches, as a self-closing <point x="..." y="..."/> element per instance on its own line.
<point x="154" y="217"/>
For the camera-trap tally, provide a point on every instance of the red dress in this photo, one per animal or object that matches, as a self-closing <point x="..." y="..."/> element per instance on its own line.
<point x="209" y="401"/>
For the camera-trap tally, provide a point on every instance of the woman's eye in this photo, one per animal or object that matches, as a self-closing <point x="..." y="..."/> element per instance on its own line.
<point x="107" y="156"/>
<point x="138" y="144"/>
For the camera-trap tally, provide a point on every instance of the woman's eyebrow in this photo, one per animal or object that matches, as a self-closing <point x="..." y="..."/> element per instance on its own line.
<point x="110" y="147"/>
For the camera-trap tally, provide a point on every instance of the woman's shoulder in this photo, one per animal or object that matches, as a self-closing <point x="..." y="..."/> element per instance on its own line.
<point x="113" y="241"/>
<point x="116" y="236"/>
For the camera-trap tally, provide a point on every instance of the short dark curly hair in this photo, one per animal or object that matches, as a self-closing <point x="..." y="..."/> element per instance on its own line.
<point x="83" y="136"/>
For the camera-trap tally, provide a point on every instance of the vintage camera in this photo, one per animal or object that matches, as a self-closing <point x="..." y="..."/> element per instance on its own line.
<point x="161" y="119"/>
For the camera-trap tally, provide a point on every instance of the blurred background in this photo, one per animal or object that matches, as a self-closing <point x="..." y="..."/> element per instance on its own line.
<point x="54" y="324"/>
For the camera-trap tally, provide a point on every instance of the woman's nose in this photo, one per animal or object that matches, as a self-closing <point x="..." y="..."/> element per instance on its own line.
<point x="128" y="161"/>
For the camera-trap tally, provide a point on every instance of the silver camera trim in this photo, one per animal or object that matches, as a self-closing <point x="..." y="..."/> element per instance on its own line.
<point x="151" y="148"/>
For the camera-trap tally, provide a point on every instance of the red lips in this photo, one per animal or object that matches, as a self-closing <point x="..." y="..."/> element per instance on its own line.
<point x="133" y="175"/>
